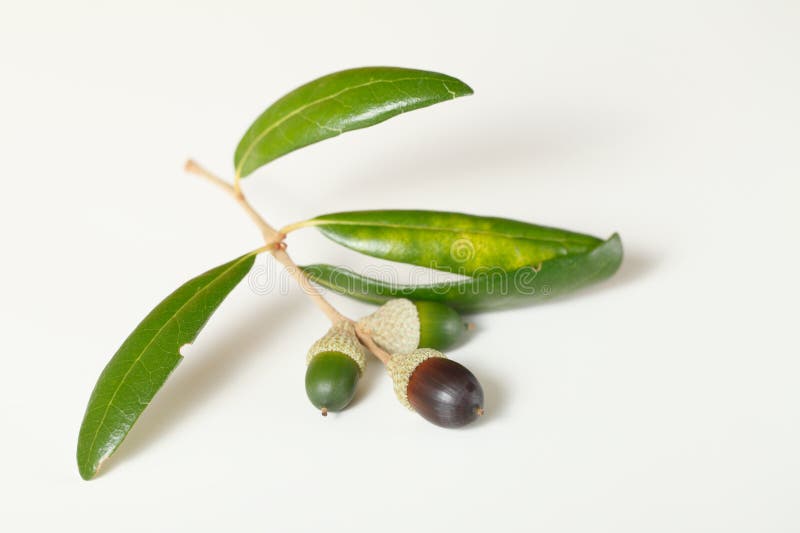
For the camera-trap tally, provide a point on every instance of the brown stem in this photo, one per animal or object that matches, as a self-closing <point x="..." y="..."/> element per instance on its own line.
<point x="273" y="239"/>
<point x="267" y="231"/>
<point x="305" y="284"/>
<point x="377" y="351"/>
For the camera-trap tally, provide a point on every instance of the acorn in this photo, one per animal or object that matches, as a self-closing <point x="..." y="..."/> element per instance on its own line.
<point x="335" y="364"/>
<point x="440" y="325"/>
<point x="444" y="392"/>
<point x="400" y="326"/>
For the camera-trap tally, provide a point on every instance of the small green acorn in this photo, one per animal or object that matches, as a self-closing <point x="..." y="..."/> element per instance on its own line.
<point x="440" y="325"/>
<point x="442" y="391"/>
<point x="400" y="326"/>
<point x="335" y="364"/>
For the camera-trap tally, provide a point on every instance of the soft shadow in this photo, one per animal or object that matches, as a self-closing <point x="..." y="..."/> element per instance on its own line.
<point x="478" y="151"/>
<point x="374" y="374"/>
<point x="473" y="330"/>
<point x="200" y="377"/>
<point x="634" y="266"/>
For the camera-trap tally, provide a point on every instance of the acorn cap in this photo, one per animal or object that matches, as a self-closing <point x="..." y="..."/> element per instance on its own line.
<point x="394" y="326"/>
<point x="401" y="367"/>
<point x="340" y="338"/>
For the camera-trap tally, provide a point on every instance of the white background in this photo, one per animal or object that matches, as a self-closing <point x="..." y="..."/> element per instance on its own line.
<point x="665" y="399"/>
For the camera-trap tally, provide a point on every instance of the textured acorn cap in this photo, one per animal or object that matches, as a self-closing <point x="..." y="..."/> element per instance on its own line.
<point x="394" y="326"/>
<point x="340" y="338"/>
<point x="401" y="367"/>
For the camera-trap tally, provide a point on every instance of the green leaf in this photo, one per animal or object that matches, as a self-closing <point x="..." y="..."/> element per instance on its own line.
<point x="147" y="357"/>
<point x="489" y="290"/>
<point x="452" y="242"/>
<point x="336" y="103"/>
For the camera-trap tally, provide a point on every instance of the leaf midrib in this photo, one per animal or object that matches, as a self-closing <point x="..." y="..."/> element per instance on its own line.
<point x="147" y="347"/>
<point x="449" y="230"/>
<point x="332" y="96"/>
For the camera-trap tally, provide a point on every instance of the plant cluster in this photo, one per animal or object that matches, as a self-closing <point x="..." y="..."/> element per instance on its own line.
<point x="503" y="263"/>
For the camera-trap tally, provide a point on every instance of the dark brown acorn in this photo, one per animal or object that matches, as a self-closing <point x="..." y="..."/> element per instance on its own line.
<point x="445" y="392"/>
<point x="442" y="391"/>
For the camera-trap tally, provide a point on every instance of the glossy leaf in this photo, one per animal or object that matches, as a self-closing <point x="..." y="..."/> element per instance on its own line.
<point x="336" y="103"/>
<point x="452" y="242"/>
<point x="493" y="289"/>
<point x="147" y="357"/>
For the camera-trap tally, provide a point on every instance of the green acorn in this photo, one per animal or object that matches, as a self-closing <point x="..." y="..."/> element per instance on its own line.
<point x="440" y="325"/>
<point x="335" y="363"/>
<point x="400" y="326"/>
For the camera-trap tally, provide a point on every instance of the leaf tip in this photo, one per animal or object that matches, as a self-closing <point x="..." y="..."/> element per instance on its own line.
<point x="87" y="471"/>
<point x="612" y="250"/>
<point x="457" y="88"/>
<point x="88" y="464"/>
<point x="616" y="242"/>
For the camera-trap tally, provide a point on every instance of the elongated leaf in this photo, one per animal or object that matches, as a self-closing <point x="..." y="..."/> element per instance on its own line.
<point x="493" y="289"/>
<point x="147" y="357"/>
<point x="336" y="103"/>
<point x="452" y="242"/>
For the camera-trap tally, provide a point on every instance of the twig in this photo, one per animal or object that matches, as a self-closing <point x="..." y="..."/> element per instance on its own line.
<point x="269" y="233"/>
<point x="279" y="253"/>
<point x="366" y="340"/>
<point x="273" y="240"/>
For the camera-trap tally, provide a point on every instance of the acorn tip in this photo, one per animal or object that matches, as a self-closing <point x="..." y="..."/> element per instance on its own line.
<point x="479" y="411"/>
<point x="469" y="326"/>
<point x="324" y="411"/>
